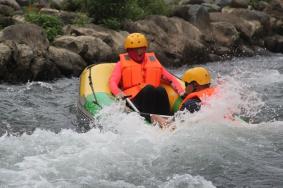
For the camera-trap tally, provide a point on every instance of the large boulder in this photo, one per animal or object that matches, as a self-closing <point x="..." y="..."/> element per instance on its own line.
<point x="246" y="28"/>
<point x="210" y="7"/>
<point x="276" y="5"/>
<point x="254" y="16"/>
<point x="195" y="14"/>
<point x="11" y="3"/>
<point x="239" y="3"/>
<point x="17" y="64"/>
<point x="6" y="10"/>
<point x="275" y="10"/>
<point x="69" y="63"/>
<point x="92" y="49"/>
<point x="112" y="38"/>
<point x="6" y="21"/>
<point x="44" y="69"/>
<point x="225" y="34"/>
<point x="23" y="2"/>
<point x="274" y="43"/>
<point x="5" y="56"/>
<point x="223" y="3"/>
<point x="29" y="34"/>
<point x="174" y="40"/>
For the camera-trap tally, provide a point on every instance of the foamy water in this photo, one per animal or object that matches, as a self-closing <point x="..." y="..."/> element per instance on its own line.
<point x="206" y="149"/>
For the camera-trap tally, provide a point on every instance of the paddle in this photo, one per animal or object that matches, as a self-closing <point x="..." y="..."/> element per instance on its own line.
<point x="143" y="113"/>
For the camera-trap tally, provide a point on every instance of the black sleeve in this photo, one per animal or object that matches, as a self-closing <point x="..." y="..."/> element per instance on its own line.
<point x="192" y="105"/>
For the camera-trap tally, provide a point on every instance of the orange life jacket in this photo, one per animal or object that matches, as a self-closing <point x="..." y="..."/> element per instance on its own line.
<point x="200" y="95"/>
<point x="137" y="75"/>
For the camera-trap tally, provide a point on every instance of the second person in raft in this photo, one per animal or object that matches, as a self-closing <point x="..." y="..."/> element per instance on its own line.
<point x="138" y="74"/>
<point x="197" y="81"/>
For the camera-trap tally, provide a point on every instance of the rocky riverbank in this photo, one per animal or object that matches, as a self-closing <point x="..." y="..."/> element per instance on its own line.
<point x="197" y="31"/>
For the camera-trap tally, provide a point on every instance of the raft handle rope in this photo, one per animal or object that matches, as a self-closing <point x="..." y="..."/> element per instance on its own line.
<point x="91" y="86"/>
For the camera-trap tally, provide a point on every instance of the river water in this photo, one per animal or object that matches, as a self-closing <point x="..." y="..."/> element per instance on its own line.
<point x="41" y="146"/>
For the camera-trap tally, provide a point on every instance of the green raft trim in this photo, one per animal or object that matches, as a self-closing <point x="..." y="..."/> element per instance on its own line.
<point x="177" y="104"/>
<point x="103" y="99"/>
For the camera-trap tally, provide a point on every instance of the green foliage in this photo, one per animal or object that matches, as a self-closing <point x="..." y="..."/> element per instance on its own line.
<point x="51" y="24"/>
<point x="110" y="12"/>
<point x="112" y="23"/>
<point x="113" y="12"/>
<point x="72" y="5"/>
<point x="81" y="19"/>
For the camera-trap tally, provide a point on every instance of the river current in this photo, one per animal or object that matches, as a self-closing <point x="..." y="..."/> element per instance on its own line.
<point x="42" y="146"/>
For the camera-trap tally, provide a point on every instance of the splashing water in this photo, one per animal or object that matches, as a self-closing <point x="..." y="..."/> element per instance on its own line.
<point x="206" y="150"/>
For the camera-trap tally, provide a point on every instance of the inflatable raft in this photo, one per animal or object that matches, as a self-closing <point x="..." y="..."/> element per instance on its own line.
<point x="95" y="92"/>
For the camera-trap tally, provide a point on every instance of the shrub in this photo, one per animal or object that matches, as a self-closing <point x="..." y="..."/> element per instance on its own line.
<point x="81" y="19"/>
<point x="72" y="5"/>
<point x="110" y="12"/>
<point x="51" y="24"/>
<point x="113" y="12"/>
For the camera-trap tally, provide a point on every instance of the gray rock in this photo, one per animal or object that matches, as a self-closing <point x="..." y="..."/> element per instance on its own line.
<point x="211" y="7"/>
<point x="5" y="57"/>
<point x="17" y="67"/>
<point x="19" y="19"/>
<point x="44" y="69"/>
<point x="239" y="3"/>
<point x="92" y="49"/>
<point x="277" y="5"/>
<point x="11" y="3"/>
<point x="112" y="38"/>
<point x="195" y="14"/>
<point x="274" y="43"/>
<point x="23" y="2"/>
<point x="69" y="63"/>
<point x="254" y="16"/>
<point x="275" y="11"/>
<point x="246" y="51"/>
<point x="223" y="3"/>
<point x="224" y="33"/>
<point x="261" y="5"/>
<point x="29" y="34"/>
<point x="6" y="21"/>
<point x="6" y="10"/>
<point x="246" y="28"/>
<point x="222" y="50"/>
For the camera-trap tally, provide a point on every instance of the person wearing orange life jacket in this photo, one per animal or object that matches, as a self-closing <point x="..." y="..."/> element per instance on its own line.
<point x="197" y="81"/>
<point x="138" y="74"/>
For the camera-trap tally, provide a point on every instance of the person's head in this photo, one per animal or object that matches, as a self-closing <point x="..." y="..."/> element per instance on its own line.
<point x="196" y="79"/>
<point x="136" y="45"/>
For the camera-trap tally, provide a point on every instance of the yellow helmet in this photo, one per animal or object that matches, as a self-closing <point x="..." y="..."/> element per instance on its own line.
<point x="197" y="74"/>
<point x="135" y="40"/>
